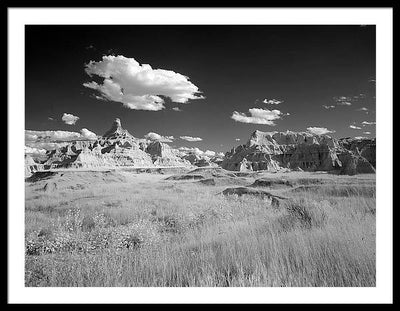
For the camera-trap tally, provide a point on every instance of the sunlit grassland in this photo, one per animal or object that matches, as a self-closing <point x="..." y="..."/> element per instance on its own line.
<point x="146" y="231"/>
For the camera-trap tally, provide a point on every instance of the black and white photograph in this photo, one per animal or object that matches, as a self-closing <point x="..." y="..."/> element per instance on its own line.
<point x="201" y="155"/>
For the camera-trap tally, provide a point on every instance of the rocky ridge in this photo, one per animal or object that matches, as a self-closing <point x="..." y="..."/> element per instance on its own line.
<point x="275" y="151"/>
<point x="264" y="151"/>
<point x="116" y="148"/>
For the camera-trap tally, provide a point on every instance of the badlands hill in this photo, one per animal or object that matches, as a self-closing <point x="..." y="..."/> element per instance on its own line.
<point x="275" y="151"/>
<point x="269" y="151"/>
<point x="116" y="148"/>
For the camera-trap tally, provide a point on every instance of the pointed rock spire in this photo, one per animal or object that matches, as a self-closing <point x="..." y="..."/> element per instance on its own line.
<point x="116" y="130"/>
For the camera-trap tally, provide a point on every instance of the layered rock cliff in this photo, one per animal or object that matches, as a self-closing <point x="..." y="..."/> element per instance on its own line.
<point x="163" y="155"/>
<point x="271" y="151"/>
<point x="274" y="151"/>
<point x="116" y="148"/>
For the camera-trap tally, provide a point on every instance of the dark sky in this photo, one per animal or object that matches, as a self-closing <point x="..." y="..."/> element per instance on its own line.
<point x="233" y="66"/>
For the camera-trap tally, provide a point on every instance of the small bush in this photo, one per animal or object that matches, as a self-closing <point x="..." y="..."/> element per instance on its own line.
<point x="60" y="241"/>
<point x="73" y="220"/>
<point x="99" y="239"/>
<point x="304" y="214"/>
<point x="88" y="223"/>
<point x="169" y="224"/>
<point x="135" y="235"/>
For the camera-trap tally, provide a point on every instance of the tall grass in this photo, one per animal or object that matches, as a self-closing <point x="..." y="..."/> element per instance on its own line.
<point x="193" y="237"/>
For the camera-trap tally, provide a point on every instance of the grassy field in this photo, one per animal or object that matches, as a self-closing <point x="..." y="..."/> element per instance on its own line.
<point x="125" y="229"/>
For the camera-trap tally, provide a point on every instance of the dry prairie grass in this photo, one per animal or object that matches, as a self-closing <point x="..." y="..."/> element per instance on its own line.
<point x="143" y="230"/>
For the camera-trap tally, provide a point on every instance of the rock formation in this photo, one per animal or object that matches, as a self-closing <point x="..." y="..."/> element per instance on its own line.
<point x="274" y="200"/>
<point x="163" y="155"/>
<point x="271" y="151"/>
<point x="31" y="166"/>
<point x="201" y="160"/>
<point x="274" y="151"/>
<point x="116" y="148"/>
<point x="364" y="147"/>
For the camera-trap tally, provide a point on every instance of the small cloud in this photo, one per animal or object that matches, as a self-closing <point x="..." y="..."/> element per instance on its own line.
<point x="90" y="47"/>
<point x="197" y="151"/>
<point x="157" y="137"/>
<point x="360" y="137"/>
<point x="209" y="153"/>
<point x="342" y="100"/>
<point x="364" y="123"/>
<point x="176" y="109"/>
<point x="328" y="107"/>
<point x="188" y="150"/>
<point x="258" y="116"/>
<point x="192" y="139"/>
<point x="348" y="100"/>
<point x="272" y="101"/>
<point x="50" y="118"/>
<point x="367" y="133"/>
<point x="88" y="134"/>
<point x="99" y="97"/>
<point x="51" y="136"/>
<point x="46" y="145"/>
<point x="355" y="127"/>
<point x="319" y="130"/>
<point x="34" y="150"/>
<point x="69" y="119"/>
<point x="237" y="139"/>
<point x="372" y="80"/>
<point x="362" y="109"/>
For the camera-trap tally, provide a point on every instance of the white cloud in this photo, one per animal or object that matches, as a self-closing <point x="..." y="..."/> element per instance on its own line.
<point x="343" y="100"/>
<point x="197" y="151"/>
<point x="194" y="150"/>
<point x="367" y="123"/>
<point x="272" y="101"/>
<point x="349" y="100"/>
<point x="362" y="109"/>
<point x="69" y="119"/>
<point x="360" y="137"/>
<point x="50" y="140"/>
<point x="51" y="135"/>
<point x="319" y="130"/>
<point x="157" y="137"/>
<point x="57" y="136"/>
<point x="328" y="107"/>
<point x="344" y="103"/>
<point x="367" y="133"/>
<point x="359" y="96"/>
<point x="139" y="86"/>
<point x="88" y="134"/>
<point x="209" y="153"/>
<point x="31" y="135"/>
<point x="45" y="145"/>
<point x="258" y="116"/>
<point x="220" y="154"/>
<point x="34" y="150"/>
<point x="176" y="109"/>
<point x="354" y="127"/>
<point x="189" y="138"/>
<point x="237" y="139"/>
